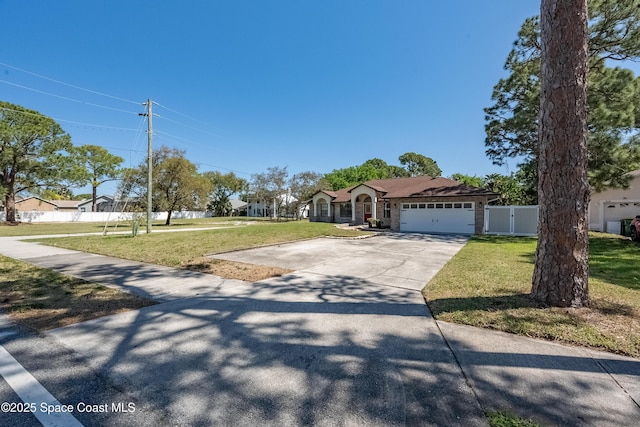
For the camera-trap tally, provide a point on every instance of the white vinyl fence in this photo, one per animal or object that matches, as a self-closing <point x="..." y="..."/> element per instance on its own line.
<point x="511" y="220"/>
<point x="56" y="216"/>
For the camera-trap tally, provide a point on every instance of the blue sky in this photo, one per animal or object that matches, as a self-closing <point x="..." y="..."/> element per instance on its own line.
<point x="245" y="85"/>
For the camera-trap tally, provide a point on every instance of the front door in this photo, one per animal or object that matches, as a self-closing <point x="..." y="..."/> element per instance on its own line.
<point x="367" y="211"/>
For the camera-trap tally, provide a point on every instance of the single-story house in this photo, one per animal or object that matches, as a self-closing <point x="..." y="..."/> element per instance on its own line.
<point x="608" y="207"/>
<point x="35" y="204"/>
<point x="416" y="204"/>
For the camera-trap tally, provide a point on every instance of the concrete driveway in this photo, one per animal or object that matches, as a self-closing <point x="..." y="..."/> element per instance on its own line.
<point x="390" y="259"/>
<point x="344" y="340"/>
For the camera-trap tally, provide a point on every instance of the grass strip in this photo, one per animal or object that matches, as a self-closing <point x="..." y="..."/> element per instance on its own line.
<point x="506" y="419"/>
<point x="41" y="299"/>
<point x="487" y="285"/>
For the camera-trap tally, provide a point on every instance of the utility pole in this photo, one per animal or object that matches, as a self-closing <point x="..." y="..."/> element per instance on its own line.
<point x="149" y="115"/>
<point x="149" y="164"/>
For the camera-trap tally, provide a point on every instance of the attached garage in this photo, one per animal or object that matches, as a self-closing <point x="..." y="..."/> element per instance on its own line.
<point x="615" y="211"/>
<point x="446" y="217"/>
<point x="610" y="206"/>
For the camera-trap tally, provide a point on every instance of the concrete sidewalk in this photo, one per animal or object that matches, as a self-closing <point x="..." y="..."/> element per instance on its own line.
<point x="550" y="383"/>
<point x="318" y="348"/>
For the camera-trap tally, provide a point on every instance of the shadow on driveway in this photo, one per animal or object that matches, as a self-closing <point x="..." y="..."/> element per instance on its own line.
<point x="289" y="351"/>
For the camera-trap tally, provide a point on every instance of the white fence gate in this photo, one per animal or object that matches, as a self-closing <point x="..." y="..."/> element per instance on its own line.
<point x="511" y="220"/>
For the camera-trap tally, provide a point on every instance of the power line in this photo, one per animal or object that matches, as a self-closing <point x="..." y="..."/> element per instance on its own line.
<point x="138" y="133"/>
<point x="187" y="126"/>
<point x="188" y="117"/>
<point x="72" y="122"/>
<point x="136" y="140"/>
<point x="179" y="113"/>
<point x="106" y="107"/>
<point x="94" y="126"/>
<point x="69" y="84"/>
<point x="130" y="150"/>
<point x="101" y="127"/>
<point x="67" y="98"/>
<point x="159" y="132"/>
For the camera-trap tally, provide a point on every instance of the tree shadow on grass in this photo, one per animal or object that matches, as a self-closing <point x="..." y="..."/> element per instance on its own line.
<point x="491" y="303"/>
<point x="614" y="261"/>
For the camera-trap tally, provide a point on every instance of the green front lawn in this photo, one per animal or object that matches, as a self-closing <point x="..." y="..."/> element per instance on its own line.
<point x="180" y="249"/>
<point x="38" y="228"/>
<point x="487" y="284"/>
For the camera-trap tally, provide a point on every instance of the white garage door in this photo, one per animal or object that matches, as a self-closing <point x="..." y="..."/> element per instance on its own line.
<point x="450" y="217"/>
<point x="615" y="211"/>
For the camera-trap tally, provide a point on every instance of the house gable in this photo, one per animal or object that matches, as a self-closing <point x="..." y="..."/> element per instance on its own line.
<point x="35" y="204"/>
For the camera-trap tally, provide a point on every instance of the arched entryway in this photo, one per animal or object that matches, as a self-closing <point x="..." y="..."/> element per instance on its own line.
<point x="367" y="206"/>
<point x="364" y="200"/>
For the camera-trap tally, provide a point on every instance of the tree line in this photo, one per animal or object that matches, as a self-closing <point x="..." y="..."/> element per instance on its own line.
<point x="38" y="158"/>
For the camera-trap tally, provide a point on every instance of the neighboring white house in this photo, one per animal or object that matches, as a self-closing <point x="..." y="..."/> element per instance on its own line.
<point x="608" y="207"/>
<point x="258" y="208"/>
<point x="265" y="208"/>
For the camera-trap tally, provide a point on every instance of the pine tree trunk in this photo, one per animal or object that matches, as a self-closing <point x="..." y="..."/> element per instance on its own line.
<point x="561" y="271"/>
<point x="9" y="181"/>
<point x="10" y="203"/>
<point x="94" y="196"/>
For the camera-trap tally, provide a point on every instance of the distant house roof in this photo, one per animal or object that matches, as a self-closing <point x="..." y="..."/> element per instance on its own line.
<point x="59" y="203"/>
<point x="419" y="186"/>
<point x="99" y="199"/>
<point x="237" y="204"/>
<point x="66" y="204"/>
<point x="22" y="200"/>
<point x="285" y="197"/>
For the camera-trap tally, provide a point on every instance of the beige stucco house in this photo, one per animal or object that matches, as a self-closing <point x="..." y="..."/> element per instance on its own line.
<point x="36" y="204"/>
<point x="30" y="204"/>
<point x="608" y="207"/>
<point x="416" y="204"/>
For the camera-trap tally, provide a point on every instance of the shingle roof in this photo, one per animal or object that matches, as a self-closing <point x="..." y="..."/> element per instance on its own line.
<point x="34" y="197"/>
<point x="66" y="203"/>
<point x="340" y="196"/>
<point x="237" y="204"/>
<point x="418" y="186"/>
